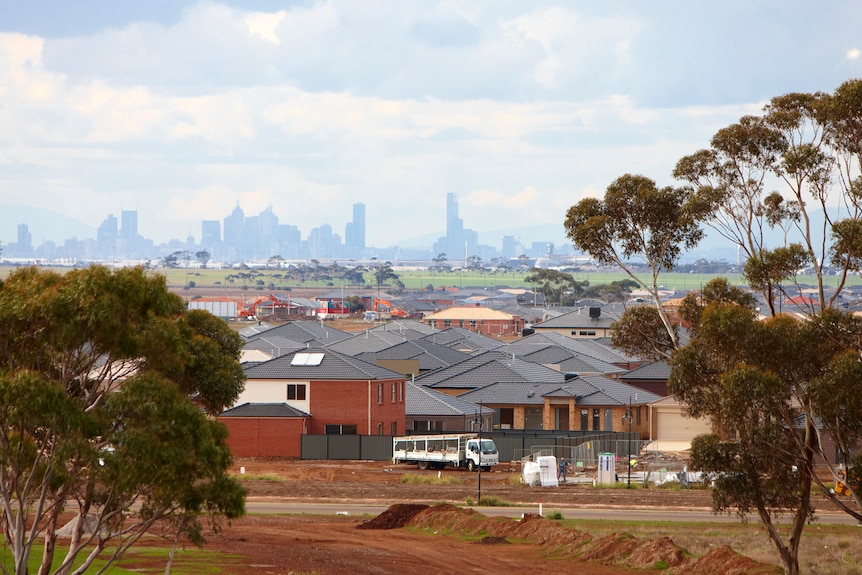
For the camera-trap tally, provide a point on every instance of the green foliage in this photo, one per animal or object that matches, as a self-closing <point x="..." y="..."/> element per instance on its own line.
<point x="96" y="376"/>
<point x="641" y="332"/>
<point x="493" y="502"/>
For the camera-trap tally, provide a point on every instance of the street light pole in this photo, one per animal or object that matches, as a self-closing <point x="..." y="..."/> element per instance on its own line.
<point x="628" y="415"/>
<point x="479" y="442"/>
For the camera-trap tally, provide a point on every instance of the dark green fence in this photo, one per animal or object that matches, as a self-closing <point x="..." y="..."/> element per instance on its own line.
<point x="512" y="445"/>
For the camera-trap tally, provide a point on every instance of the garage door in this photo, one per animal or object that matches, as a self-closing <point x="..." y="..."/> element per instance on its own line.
<point x="670" y="425"/>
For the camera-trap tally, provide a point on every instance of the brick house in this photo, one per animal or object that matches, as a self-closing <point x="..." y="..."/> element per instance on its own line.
<point x="476" y="318"/>
<point x="339" y="394"/>
<point x="265" y="429"/>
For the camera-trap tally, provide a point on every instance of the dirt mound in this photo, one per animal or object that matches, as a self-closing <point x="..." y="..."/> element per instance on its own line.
<point x="395" y="517"/>
<point x="725" y="561"/>
<point x="621" y="549"/>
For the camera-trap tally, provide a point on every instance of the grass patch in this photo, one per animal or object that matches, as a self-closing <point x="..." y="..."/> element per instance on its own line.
<point x="148" y="559"/>
<point x="555" y="515"/>
<point x="257" y="477"/>
<point x="424" y="479"/>
<point x="493" y="502"/>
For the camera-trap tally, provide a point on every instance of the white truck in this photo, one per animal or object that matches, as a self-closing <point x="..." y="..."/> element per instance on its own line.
<point x="439" y="451"/>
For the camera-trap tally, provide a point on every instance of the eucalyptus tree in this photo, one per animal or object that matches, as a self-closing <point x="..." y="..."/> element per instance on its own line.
<point x="553" y="284"/>
<point x="808" y="147"/>
<point x="97" y="375"/>
<point x="636" y="219"/>
<point x="764" y="384"/>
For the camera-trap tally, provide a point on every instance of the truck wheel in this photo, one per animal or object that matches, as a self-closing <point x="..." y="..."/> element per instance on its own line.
<point x="423" y="465"/>
<point x="471" y="466"/>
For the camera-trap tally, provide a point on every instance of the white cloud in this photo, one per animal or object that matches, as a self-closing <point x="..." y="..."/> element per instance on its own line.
<point x="265" y="25"/>
<point x="518" y="108"/>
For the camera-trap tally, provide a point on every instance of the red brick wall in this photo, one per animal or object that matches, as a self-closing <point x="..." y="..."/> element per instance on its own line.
<point x="264" y="436"/>
<point x="485" y="327"/>
<point x="347" y="403"/>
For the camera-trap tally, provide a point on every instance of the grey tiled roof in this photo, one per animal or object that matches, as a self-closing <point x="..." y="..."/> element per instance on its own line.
<point x="489" y="367"/>
<point x="273" y="345"/>
<point x="587" y="347"/>
<point x="424" y="401"/>
<point x="464" y="340"/>
<point x="263" y="410"/>
<point x="254" y="329"/>
<point x="588" y="391"/>
<point x="430" y="356"/>
<point x="313" y="333"/>
<point x="657" y="370"/>
<point x="368" y="341"/>
<point x="580" y="318"/>
<point x="569" y="361"/>
<point x="406" y="327"/>
<point x="333" y="366"/>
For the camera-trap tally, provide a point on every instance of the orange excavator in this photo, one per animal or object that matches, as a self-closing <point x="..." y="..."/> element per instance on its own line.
<point x="272" y="303"/>
<point x="393" y="311"/>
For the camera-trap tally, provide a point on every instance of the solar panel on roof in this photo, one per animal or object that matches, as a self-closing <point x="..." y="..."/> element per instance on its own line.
<point x="306" y="358"/>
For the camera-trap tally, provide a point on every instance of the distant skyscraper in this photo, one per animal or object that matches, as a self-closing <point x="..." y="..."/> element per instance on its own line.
<point x="129" y="233"/>
<point x="354" y="232"/>
<point x="211" y="235"/>
<point x="233" y="228"/>
<point x="25" y="240"/>
<point x="459" y="243"/>
<point x="106" y="237"/>
<point x="129" y="227"/>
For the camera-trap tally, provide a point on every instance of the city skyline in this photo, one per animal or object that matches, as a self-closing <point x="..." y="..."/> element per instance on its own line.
<point x="238" y="237"/>
<point x="177" y="109"/>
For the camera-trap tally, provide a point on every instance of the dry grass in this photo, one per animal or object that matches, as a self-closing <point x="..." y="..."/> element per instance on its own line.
<point x="825" y="549"/>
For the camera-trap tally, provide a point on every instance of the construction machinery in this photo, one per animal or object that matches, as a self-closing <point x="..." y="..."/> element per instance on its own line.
<point x="266" y="305"/>
<point x="389" y="309"/>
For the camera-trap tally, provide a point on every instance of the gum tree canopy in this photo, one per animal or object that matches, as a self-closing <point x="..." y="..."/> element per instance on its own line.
<point x="98" y="370"/>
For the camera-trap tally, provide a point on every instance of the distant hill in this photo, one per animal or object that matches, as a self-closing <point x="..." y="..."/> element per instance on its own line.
<point x="44" y="225"/>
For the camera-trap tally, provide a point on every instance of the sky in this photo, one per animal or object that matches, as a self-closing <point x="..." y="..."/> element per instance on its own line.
<point x="180" y="110"/>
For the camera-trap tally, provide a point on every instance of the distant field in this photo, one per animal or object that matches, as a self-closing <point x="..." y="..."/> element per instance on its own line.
<point x="273" y="280"/>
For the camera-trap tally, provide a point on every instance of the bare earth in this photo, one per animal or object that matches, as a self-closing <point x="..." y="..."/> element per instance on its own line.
<point x="412" y="537"/>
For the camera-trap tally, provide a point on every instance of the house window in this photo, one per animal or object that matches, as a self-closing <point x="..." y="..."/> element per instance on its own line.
<point x="597" y="420"/>
<point x="447" y="323"/>
<point x="427" y="425"/>
<point x="401" y="392"/>
<point x="394" y="385"/>
<point x="586" y="333"/>
<point x="393" y="428"/>
<point x="379" y="393"/>
<point x="380" y="428"/>
<point x="638" y="418"/>
<point x="337" y="429"/>
<point x="296" y="392"/>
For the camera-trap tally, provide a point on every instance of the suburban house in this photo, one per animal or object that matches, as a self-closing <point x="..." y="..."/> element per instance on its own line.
<point x="429" y="410"/>
<point x="265" y="429"/>
<point x="587" y="322"/>
<point x="489" y="367"/>
<point x="590" y="403"/>
<point x="650" y="377"/>
<point x="339" y="394"/>
<point x="479" y="319"/>
<point x="670" y="428"/>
